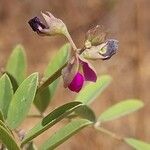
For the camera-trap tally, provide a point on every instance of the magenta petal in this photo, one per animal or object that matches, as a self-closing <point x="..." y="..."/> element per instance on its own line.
<point x="88" y="70"/>
<point x="76" y="83"/>
<point x="89" y="74"/>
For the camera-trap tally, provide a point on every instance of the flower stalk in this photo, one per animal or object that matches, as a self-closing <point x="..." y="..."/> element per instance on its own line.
<point x="68" y="36"/>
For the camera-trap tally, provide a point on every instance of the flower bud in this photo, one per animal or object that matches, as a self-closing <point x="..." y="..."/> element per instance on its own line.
<point x="53" y="25"/>
<point x="95" y="36"/>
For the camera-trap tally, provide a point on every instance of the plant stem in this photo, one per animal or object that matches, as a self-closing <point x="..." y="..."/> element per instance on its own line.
<point x="71" y="41"/>
<point x="51" y="79"/>
<point x="111" y="134"/>
<point x="82" y="50"/>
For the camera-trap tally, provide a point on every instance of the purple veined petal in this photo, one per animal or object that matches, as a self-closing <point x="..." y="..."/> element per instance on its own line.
<point x="69" y="72"/>
<point x="88" y="70"/>
<point x="77" y="83"/>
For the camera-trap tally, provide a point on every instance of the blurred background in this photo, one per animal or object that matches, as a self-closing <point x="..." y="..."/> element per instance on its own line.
<point x="127" y="21"/>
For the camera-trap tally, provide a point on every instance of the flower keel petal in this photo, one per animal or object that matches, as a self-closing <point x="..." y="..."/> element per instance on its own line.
<point x="77" y="83"/>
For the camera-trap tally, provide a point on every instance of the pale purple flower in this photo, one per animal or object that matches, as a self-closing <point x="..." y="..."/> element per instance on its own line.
<point x="103" y="51"/>
<point x="76" y="72"/>
<point x="98" y="46"/>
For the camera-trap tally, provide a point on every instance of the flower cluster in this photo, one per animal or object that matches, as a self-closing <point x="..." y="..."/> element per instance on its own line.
<point x="78" y="68"/>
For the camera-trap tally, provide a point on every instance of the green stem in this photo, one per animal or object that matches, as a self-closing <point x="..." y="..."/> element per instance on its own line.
<point x="51" y="79"/>
<point x="111" y="134"/>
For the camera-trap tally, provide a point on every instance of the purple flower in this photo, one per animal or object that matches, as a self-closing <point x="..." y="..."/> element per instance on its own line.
<point x="76" y="72"/>
<point x="103" y="51"/>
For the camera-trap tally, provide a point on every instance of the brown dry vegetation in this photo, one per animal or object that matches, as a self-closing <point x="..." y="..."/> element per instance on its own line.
<point x="127" y="20"/>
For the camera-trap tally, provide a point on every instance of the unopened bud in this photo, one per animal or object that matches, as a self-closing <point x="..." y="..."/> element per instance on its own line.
<point x="53" y="25"/>
<point x="95" y="36"/>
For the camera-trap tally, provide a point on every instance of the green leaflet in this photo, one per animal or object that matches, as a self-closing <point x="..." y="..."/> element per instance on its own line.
<point x="6" y="93"/>
<point x="17" y="65"/>
<point x="7" y="139"/>
<point x="22" y="100"/>
<point x="120" y="109"/>
<point x="4" y="126"/>
<point x="64" y="134"/>
<point x="44" y="97"/>
<point x="89" y="93"/>
<point x="1" y="116"/>
<point x="137" y="144"/>
<point x="86" y="113"/>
